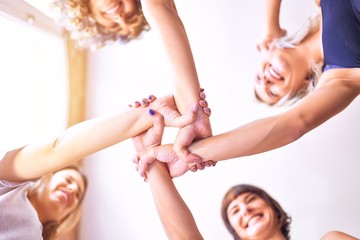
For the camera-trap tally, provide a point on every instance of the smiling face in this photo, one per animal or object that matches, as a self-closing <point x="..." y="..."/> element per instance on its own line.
<point x="113" y="15"/>
<point x="283" y="71"/>
<point x="251" y="217"/>
<point x="62" y="194"/>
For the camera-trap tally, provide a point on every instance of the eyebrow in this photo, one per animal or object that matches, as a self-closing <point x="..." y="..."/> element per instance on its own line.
<point x="248" y="194"/>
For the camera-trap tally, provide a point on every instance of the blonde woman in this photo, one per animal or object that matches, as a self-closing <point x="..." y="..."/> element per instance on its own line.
<point x="291" y="64"/>
<point x="94" y="23"/>
<point x="41" y="192"/>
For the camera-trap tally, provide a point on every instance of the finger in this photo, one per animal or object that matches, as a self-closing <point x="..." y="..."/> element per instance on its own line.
<point x="158" y="119"/>
<point x="193" y="168"/>
<point x="144" y="102"/>
<point x="200" y="166"/>
<point x="136" y="104"/>
<point x="138" y="145"/>
<point x="209" y="163"/>
<point x="207" y="111"/>
<point x="144" y="164"/>
<point x="184" y="154"/>
<point x="151" y="98"/>
<point x="203" y="103"/>
<point x="135" y="159"/>
<point x="186" y="119"/>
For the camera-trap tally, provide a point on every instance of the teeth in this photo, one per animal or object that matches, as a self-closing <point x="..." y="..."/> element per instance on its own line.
<point x="274" y="73"/>
<point x="112" y="10"/>
<point x="253" y="220"/>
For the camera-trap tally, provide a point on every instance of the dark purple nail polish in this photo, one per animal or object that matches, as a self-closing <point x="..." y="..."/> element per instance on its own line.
<point x="151" y="112"/>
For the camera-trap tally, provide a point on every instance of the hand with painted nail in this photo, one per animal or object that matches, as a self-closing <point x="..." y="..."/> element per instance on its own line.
<point x="166" y="154"/>
<point x="166" y="106"/>
<point x="147" y="139"/>
<point x="146" y="142"/>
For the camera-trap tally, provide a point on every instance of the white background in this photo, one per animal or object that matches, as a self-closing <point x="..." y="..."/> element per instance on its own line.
<point x="316" y="179"/>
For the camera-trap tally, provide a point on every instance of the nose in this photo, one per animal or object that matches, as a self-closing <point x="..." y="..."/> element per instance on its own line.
<point x="73" y="187"/>
<point x="264" y="80"/>
<point x="245" y="210"/>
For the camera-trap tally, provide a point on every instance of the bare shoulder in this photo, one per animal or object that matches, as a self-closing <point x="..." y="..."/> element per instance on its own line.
<point x="336" y="235"/>
<point x="346" y="77"/>
<point x="157" y="9"/>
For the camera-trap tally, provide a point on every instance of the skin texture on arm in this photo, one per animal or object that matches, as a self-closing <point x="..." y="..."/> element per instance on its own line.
<point x="336" y="235"/>
<point x="272" y="24"/>
<point x="163" y="18"/>
<point x="43" y="157"/>
<point x="175" y="216"/>
<point x="335" y="91"/>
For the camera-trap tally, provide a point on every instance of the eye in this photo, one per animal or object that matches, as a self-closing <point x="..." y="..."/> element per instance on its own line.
<point x="234" y="211"/>
<point x="252" y="198"/>
<point x="68" y="180"/>
<point x="272" y="93"/>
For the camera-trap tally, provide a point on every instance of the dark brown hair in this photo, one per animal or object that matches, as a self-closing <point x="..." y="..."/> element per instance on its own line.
<point x="235" y="191"/>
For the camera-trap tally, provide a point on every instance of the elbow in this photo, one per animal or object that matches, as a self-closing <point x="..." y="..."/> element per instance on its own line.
<point x="300" y="128"/>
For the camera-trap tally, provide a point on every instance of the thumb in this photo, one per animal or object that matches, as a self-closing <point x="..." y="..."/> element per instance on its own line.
<point x="188" y="118"/>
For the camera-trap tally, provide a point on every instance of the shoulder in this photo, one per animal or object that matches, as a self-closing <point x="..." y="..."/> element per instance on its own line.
<point x="336" y="235"/>
<point x="347" y="77"/>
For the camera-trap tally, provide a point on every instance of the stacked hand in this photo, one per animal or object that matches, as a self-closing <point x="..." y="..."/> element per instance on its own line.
<point x="147" y="144"/>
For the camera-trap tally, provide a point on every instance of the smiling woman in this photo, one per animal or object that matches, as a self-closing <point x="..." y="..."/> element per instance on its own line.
<point x="251" y="213"/>
<point x="36" y="98"/>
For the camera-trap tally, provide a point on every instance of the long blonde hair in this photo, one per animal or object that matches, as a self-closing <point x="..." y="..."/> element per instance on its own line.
<point x="315" y="69"/>
<point x="52" y="228"/>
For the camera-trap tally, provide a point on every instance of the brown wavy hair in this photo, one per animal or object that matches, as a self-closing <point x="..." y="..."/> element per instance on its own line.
<point x="283" y="219"/>
<point x="75" y="16"/>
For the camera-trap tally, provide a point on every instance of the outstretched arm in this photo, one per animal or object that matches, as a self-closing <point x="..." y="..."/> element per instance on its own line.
<point x="335" y="91"/>
<point x="272" y="29"/>
<point x="164" y="19"/>
<point x="174" y="214"/>
<point x="85" y="138"/>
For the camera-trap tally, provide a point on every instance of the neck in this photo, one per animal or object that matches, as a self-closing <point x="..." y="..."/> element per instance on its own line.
<point x="312" y="46"/>
<point x="277" y="236"/>
<point x="35" y="201"/>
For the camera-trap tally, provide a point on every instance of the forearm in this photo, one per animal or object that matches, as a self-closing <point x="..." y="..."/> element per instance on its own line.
<point x="164" y="19"/>
<point x="75" y="143"/>
<point x="174" y="214"/>
<point x="272" y="15"/>
<point x="253" y="138"/>
<point x="335" y="91"/>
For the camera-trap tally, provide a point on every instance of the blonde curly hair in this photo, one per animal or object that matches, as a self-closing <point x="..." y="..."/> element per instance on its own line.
<point x="75" y="16"/>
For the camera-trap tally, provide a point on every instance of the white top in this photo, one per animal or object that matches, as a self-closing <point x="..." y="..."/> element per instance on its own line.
<point x="18" y="217"/>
